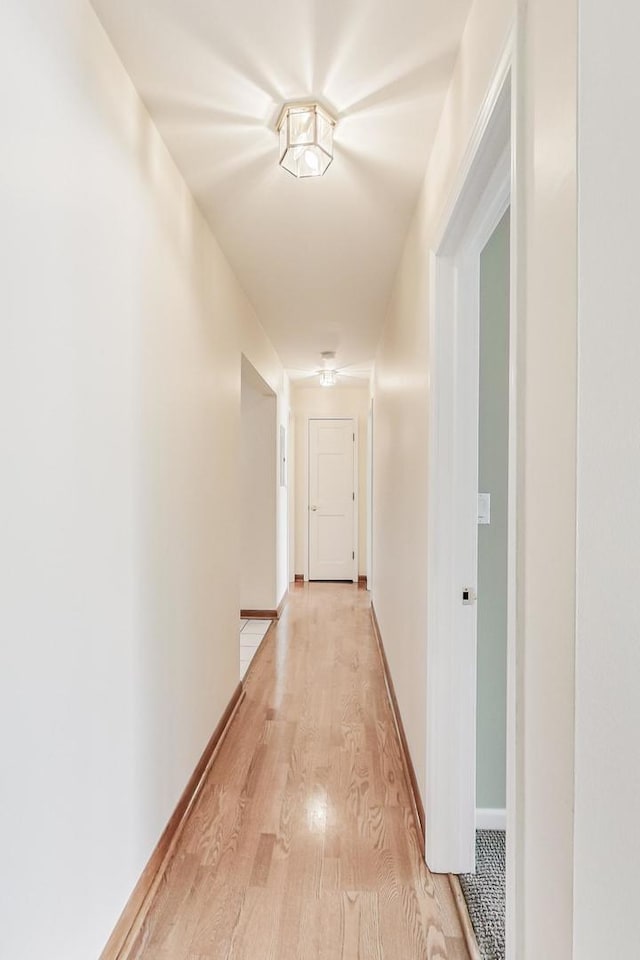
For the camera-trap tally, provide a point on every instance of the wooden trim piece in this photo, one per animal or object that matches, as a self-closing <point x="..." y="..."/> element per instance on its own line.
<point x="122" y="939"/>
<point x="266" y="614"/>
<point x="362" y="581"/>
<point x="464" y="918"/>
<point x="298" y="577"/>
<point x="409" y="769"/>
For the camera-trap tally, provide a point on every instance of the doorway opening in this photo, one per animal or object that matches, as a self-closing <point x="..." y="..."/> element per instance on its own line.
<point x="470" y="760"/>
<point x="484" y="890"/>
<point x="258" y="486"/>
<point x="493" y="475"/>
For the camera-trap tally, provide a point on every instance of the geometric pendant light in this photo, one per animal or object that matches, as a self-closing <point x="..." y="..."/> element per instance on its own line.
<point x="306" y="139"/>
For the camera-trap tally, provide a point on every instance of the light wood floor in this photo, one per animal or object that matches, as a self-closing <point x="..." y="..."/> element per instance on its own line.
<point x="303" y="843"/>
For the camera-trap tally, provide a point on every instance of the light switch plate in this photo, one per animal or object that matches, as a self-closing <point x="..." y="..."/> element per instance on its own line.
<point x="484" y="508"/>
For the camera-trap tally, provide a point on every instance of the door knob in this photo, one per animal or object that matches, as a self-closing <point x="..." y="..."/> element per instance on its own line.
<point x="314" y="508"/>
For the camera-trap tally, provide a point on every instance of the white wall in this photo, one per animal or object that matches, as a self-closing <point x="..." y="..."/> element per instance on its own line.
<point x="546" y="239"/>
<point x="258" y="494"/>
<point x="401" y="389"/>
<point x="545" y="90"/>
<point x="258" y="350"/>
<point x="328" y="402"/>
<point x="122" y="329"/>
<point x="607" y="831"/>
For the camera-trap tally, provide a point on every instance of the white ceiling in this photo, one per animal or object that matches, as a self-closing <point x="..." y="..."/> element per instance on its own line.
<point x="316" y="257"/>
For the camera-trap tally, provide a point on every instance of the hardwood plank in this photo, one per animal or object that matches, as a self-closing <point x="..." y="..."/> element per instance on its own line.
<point x="218" y="920"/>
<point x="304" y="843"/>
<point x="408" y="767"/>
<point x="465" y="920"/>
<point x="140" y="900"/>
<point x="262" y="862"/>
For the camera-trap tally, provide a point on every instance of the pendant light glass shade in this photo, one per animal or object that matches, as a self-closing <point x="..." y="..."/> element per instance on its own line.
<point x="306" y="139"/>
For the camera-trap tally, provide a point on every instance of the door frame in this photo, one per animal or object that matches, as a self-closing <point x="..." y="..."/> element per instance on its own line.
<point x="482" y="193"/>
<point x="305" y="493"/>
<point x="369" y="570"/>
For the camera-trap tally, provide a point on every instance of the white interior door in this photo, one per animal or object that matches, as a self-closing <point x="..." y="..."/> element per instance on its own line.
<point x="332" y="500"/>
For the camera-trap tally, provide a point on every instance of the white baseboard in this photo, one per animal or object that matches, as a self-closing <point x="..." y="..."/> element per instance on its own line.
<point x="489" y="818"/>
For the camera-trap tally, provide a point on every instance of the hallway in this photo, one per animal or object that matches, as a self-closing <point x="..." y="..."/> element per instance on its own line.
<point x="303" y="842"/>
<point x="197" y="197"/>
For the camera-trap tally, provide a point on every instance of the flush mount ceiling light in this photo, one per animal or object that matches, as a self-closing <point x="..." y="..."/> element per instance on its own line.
<point x="328" y="378"/>
<point x="306" y="139"/>
<point x="328" y="374"/>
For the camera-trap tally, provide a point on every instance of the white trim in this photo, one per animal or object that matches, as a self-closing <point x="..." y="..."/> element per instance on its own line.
<point x="476" y="205"/>
<point x="369" y="570"/>
<point x="305" y="498"/>
<point x="356" y="501"/>
<point x="291" y="494"/>
<point x="514" y="812"/>
<point x="478" y="140"/>
<point x="491" y="818"/>
<point x="305" y="493"/>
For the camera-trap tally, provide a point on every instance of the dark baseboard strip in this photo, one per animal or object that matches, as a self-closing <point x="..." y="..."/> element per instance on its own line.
<point x="266" y="614"/>
<point x="465" y="920"/>
<point x="409" y="769"/>
<point x="362" y="581"/>
<point x="298" y="577"/>
<point x="128" y="926"/>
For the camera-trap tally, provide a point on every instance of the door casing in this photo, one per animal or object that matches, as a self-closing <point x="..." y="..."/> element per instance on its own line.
<point x="480" y="197"/>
